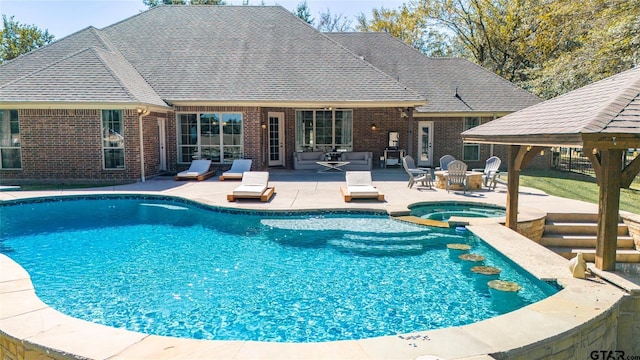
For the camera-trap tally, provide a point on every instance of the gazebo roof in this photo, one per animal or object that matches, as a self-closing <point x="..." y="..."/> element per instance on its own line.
<point x="610" y="106"/>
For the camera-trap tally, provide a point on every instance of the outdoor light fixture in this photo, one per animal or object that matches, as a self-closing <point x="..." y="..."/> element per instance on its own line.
<point x="541" y="152"/>
<point x="374" y="127"/>
<point x="263" y="126"/>
<point x="594" y="151"/>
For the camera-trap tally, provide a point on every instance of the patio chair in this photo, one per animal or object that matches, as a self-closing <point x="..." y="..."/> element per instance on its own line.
<point x="255" y="185"/>
<point x="238" y="168"/>
<point x="444" y="162"/>
<point x="457" y="174"/>
<point x="490" y="172"/>
<point x="199" y="170"/>
<point x="360" y="186"/>
<point x="416" y="174"/>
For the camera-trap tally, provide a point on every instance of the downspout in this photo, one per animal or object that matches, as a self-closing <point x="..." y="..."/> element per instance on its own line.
<point x="491" y="145"/>
<point x="141" y="113"/>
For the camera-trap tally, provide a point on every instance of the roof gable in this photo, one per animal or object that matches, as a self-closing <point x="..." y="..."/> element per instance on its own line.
<point x="83" y="67"/>
<point x="90" y="75"/>
<point x="449" y="84"/>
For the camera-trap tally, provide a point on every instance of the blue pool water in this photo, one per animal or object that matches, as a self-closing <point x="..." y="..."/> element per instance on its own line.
<point x="443" y="211"/>
<point x="175" y="268"/>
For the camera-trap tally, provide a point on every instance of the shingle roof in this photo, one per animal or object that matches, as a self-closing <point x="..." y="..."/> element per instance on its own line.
<point x="439" y="79"/>
<point x="245" y="53"/>
<point x="70" y="72"/>
<point x="611" y="105"/>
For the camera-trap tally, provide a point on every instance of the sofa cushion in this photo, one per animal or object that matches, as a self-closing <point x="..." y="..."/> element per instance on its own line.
<point x="314" y="155"/>
<point x="351" y="156"/>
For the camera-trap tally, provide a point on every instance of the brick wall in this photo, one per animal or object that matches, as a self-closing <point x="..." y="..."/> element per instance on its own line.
<point x="65" y="146"/>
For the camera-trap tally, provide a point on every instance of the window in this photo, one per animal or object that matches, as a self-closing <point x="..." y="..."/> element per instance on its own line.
<point x="10" y="154"/>
<point x="112" y="139"/>
<point x="213" y="136"/>
<point x="470" y="152"/>
<point x="324" y="130"/>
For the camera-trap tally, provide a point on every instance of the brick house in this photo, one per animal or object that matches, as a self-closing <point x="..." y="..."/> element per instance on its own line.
<point x="148" y="94"/>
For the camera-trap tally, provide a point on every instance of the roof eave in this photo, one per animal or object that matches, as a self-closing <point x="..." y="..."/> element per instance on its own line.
<point x="567" y="140"/>
<point x="13" y="105"/>
<point x="300" y="104"/>
<point x="432" y="114"/>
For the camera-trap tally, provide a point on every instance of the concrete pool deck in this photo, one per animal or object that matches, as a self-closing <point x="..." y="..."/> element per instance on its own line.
<point x="584" y="317"/>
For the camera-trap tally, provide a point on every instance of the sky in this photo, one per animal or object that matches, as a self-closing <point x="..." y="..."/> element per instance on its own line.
<point x="64" y="17"/>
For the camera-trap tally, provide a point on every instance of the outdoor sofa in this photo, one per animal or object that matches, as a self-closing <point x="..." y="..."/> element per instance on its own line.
<point x="358" y="160"/>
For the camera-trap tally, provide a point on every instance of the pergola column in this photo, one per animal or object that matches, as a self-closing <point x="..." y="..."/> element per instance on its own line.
<point x="519" y="158"/>
<point x="608" y="209"/>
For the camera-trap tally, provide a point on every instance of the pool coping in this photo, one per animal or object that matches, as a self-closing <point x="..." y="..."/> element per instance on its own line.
<point x="24" y="317"/>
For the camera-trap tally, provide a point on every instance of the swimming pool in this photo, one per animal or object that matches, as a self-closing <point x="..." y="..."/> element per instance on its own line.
<point x="443" y="211"/>
<point x="175" y="268"/>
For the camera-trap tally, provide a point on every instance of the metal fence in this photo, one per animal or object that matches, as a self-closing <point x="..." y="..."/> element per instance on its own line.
<point x="572" y="159"/>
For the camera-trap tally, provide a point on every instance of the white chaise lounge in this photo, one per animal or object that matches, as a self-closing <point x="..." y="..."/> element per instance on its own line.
<point x="360" y="186"/>
<point x="255" y="185"/>
<point x="238" y="167"/>
<point x="199" y="170"/>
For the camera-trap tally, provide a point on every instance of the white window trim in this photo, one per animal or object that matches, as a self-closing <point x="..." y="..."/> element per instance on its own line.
<point x="124" y="152"/>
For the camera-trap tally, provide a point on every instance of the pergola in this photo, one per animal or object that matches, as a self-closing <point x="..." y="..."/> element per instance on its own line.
<point x="603" y="118"/>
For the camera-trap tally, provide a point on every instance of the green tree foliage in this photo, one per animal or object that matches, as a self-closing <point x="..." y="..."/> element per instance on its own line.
<point x="303" y="12"/>
<point x="17" y="39"/>
<point x="580" y="44"/>
<point x="405" y="24"/>
<point x="154" y="3"/>
<point x="548" y="47"/>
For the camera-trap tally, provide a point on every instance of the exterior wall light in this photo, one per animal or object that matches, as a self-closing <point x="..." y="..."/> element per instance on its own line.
<point x="374" y="127"/>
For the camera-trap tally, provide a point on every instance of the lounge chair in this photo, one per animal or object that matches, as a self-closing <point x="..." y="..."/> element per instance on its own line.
<point x="199" y="170"/>
<point x="416" y="174"/>
<point x="457" y="174"/>
<point x="490" y="172"/>
<point x="360" y="186"/>
<point x="255" y="185"/>
<point x="238" y="167"/>
<point x="444" y="162"/>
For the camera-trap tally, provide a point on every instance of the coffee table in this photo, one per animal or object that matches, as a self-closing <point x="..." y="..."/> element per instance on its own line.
<point x="332" y="165"/>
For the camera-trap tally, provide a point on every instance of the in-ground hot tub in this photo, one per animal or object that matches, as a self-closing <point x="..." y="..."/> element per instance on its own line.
<point x="444" y="211"/>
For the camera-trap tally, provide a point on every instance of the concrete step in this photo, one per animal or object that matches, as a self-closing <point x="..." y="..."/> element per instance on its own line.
<point x="578" y="228"/>
<point x="622" y="255"/>
<point x="582" y="241"/>
<point x="572" y="217"/>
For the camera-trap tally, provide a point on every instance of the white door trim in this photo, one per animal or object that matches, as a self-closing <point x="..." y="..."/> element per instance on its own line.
<point x="425" y="156"/>
<point x="275" y="139"/>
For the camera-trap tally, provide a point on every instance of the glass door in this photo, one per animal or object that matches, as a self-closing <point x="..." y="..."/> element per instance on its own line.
<point x="275" y="141"/>
<point x="425" y="140"/>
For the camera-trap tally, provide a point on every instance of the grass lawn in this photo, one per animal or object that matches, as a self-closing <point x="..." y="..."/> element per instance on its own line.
<point x="575" y="186"/>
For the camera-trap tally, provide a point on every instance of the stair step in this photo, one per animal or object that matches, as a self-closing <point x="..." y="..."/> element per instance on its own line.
<point x="622" y="256"/>
<point x="572" y="217"/>
<point x="582" y="241"/>
<point x="578" y="228"/>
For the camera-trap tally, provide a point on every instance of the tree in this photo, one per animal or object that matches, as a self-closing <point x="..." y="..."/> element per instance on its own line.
<point x="548" y="47"/>
<point x="333" y="23"/>
<point x="409" y="26"/>
<point x="17" y="39"/>
<point x="303" y="12"/>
